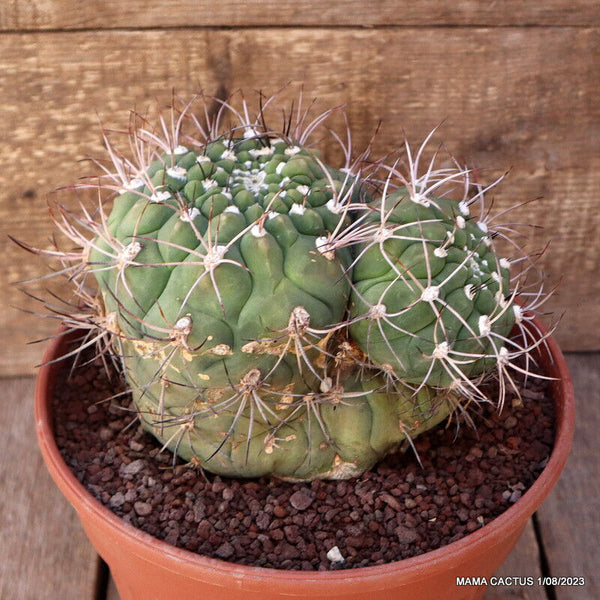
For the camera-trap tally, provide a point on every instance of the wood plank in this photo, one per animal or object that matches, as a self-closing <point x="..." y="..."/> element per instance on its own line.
<point x="523" y="562"/>
<point x="111" y="592"/>
<point x="44" y="553"/>
<point x="109" y="14"/>
<point x="508" y="97"/>
<point x="570" y="519"/>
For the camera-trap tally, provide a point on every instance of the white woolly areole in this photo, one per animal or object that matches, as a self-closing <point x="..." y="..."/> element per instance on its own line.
<point x="440" y="252"/>
<point x="178" y="150"/>
<point x="518" y="313"/>
<point x="377" y="311"/>
<point x="450" y="236"/>
<point x="264" y="151"/>
<point x="485" y="325"/>
<point x="189" y="214"/>
<point x="501" y="300"/>
<point x="441" y="351"/>
<point x="464" y="208"/>
<point x="228" y="155"/>
<point x="460" y="222"/>
<point x="505" y="263"/>
<point x="382" y="234"/>
<point x="299" y="320"/>
<point x="250" y="133"/>
<point x="134" y="184"/>
<point x="177" y="173"/>
<point x="130" y="251"/>
<point x="326" y="385"/>
<point x="469" y="291"/>
<point x="203" y="159"/>
<point x="297" y="209"/>
<point x="495" y="276"/>
<point x="334" y="206"/>
<point x="208" y="184"/>
<point x="258" y="231"/>
<point x="280" y="167"/>
<point x="483" y="226"/>
<point x="232" y="208"/>
<point x="160" y="196"/>
<point x="214" y="256"/>
<point x="503" y="356"/>
<point x="324" y="247"/>
<point x="291" y="150"/>
<point x="430" y="293"/>
<point x="418" y="198"/>
<point x="303" y="189"/>
<point x="183" y="324"/>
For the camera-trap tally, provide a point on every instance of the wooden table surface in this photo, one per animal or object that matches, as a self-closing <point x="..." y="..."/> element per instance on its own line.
<point x="44" y="554"/>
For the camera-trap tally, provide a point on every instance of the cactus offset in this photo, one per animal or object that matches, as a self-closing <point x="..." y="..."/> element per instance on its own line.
<point x="277" y="316"/>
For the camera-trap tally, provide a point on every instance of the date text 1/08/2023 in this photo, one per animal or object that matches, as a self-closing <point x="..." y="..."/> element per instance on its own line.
<point x="520" y="581"/>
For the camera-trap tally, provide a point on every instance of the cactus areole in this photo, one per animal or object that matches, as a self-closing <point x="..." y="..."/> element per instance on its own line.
<point x="275" y="315"/>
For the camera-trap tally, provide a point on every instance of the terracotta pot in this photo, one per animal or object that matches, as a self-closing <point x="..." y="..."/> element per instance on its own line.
<point x="145" y="568"/>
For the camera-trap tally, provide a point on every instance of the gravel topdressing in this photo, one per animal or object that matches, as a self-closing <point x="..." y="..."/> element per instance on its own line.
<point x="465" y="478"/>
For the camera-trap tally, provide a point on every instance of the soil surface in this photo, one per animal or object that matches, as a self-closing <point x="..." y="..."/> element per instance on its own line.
<point x="462" y="479"/>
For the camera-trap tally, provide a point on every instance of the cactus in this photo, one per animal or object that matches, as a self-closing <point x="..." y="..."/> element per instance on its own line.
<point x="274" y="315"/>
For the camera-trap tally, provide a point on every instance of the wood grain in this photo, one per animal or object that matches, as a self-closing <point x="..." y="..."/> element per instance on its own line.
<point x="508" y="97"/>
<point x="569" y="520"/>
<point x="111" y="592"/>
<point x="44" y="554"/>
<point x="109" y="14"/>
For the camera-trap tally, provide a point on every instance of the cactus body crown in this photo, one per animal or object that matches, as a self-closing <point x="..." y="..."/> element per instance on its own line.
<point x="274" y="315"/>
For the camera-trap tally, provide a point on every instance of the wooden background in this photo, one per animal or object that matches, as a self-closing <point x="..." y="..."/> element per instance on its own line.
<point x="516" y="84"/>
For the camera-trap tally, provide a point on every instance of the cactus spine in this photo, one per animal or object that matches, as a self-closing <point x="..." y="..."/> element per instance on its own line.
<point x="274" y="315"/>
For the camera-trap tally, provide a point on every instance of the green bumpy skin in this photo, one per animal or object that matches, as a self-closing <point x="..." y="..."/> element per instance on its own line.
<point x="212" y="270"/>
<point x="313" y="438"/>
<point x="431" y="298"/>
<point x="232" y="249"/>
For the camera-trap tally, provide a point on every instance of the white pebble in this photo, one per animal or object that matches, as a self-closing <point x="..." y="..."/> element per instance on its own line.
<point x="335" y="556"/>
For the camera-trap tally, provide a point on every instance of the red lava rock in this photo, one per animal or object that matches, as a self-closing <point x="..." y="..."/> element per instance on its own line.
<point x="391" y="502"/>
<point x="405" y="535"/>
<point x="300" y="500"/>
<point x="142" y="508"/>
<point x="133" y="468"/>
<point x="225" y="550"/>
<point x="401" y="508"/>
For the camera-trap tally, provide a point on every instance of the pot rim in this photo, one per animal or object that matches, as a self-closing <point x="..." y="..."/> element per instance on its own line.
<point x="442" y="558"/>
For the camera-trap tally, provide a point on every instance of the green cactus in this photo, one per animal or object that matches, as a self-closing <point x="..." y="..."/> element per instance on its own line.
<point x="431" y="291"/>
<point x="277" y="316"/>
